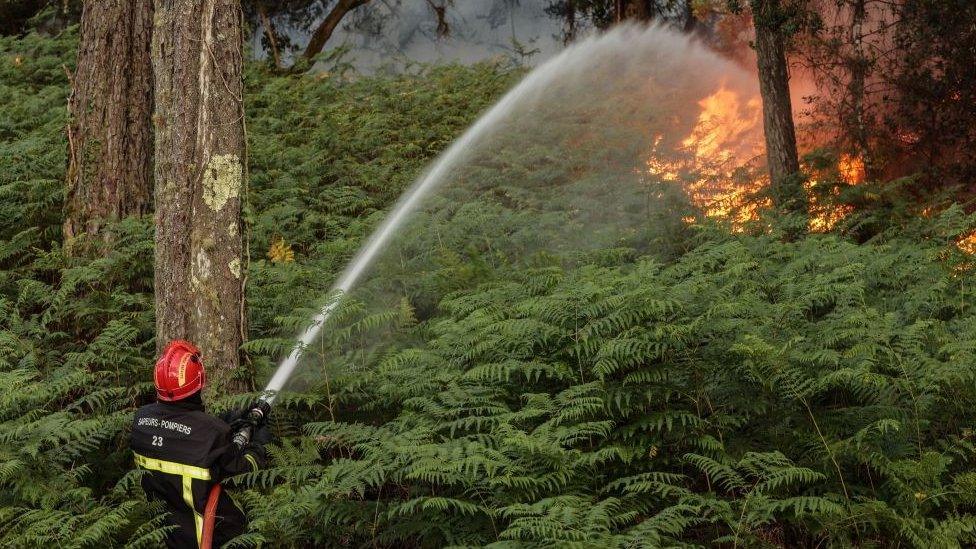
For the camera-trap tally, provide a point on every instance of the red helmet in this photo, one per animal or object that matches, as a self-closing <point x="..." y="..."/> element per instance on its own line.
<point x="179" y="371"/>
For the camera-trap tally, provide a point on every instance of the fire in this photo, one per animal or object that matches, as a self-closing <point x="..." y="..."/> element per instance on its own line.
<point x="667" y="171"/>
<point x="723" y="124"/>
<point x="909" y="137"/>
<point x="726" y="136"/>
<point x="967" y="243"/>
<point x="851" y="169"/>
<point x="713" y="151"/>
<point x="823" y="217"/>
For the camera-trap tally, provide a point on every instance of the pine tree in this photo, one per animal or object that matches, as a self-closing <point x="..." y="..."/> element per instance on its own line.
<point x="109" y="133"/>
<point x="201" y="181"/>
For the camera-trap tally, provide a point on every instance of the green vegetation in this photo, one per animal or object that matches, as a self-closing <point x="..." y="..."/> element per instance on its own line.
<point x="738" y="390"/>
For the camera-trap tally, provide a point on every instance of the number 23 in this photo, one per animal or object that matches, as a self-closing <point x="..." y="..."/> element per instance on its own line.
<point x="157" y="441"/>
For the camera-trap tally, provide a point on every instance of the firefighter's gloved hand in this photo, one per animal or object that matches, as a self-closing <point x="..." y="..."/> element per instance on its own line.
<point x="261" y="436"/>
<point x="241" y="418"/>
<point x="237" y="423"/>
<point x="232" y="417"/>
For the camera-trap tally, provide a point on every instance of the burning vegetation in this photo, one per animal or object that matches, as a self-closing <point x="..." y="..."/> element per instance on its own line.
<point x="718" y="164"/>
<point x="710" y="162"/>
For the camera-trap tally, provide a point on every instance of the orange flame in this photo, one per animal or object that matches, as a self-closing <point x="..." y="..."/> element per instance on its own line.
<point x="851" y="169"/>
<point x="667" y="171"/>
<point x="726" y="136"/>
<point x="724" y="123"/>
<point x="967" y="243"/>
<point x="713" y="151"/>
<point x="823" y="217"/>
<point x="909" y="137"/>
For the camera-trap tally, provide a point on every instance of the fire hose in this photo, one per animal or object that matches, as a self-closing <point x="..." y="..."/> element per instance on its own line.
<point x="210" y="517"/>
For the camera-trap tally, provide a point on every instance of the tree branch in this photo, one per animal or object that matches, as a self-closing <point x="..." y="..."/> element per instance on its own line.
<point x="328" y="26"/>
<point x="269" y="31"/>
<point x="443" y="30"/>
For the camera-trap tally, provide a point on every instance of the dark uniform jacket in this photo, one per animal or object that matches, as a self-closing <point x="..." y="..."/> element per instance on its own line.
<point x="186" y="452"/>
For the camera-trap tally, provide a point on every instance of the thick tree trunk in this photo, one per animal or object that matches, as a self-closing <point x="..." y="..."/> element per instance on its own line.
<point x="200" y="148"/>
<point x="109" y="135"/>
<point x="774" y="86"/>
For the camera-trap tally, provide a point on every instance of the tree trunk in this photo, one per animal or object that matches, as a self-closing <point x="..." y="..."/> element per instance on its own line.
<point x="271" y="33"/>
<point x="200" y="154"/>
<point x="569" y="24"/>
<point x="691" y="21"/>
<point x="774" y="86"/>
<point x="858" y="68"/>
<point x="440" y="14"/>
<point x="633" y="10"/>
<point x="109" y="133"/>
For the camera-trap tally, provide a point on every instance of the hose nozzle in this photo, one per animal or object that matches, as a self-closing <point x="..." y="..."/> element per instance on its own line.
<point x="251" y="420"/>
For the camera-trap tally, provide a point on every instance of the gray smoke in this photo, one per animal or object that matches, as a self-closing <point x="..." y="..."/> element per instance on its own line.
<point x="395" y="34"/>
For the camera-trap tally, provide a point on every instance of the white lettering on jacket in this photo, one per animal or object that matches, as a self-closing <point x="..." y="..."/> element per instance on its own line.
<point x="165" y="424"/>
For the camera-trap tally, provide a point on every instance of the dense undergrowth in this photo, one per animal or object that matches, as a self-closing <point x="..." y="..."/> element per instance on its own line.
<point x="742" y="390"/>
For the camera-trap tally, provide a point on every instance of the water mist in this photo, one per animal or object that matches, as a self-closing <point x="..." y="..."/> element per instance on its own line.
<point x="558" y="167"/>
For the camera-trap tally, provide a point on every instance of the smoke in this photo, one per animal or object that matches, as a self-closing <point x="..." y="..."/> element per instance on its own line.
<point x="394" y="35"/>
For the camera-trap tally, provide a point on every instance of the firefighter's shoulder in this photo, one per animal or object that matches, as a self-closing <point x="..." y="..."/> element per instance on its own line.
<point x="214" y="422"/>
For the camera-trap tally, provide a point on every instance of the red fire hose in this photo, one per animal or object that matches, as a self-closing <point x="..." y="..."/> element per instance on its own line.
<point x="209" y="517"/>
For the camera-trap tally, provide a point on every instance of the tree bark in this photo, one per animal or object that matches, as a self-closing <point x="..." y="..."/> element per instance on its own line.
<point x="109" y="133"/>
<point x="774" y="86"/>
<point x="328" y="26"/>
<point x="859" y="68"/>
<point x="200" y="144"/>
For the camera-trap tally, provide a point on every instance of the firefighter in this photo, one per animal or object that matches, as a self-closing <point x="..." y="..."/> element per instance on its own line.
<point x="187" y="452"/>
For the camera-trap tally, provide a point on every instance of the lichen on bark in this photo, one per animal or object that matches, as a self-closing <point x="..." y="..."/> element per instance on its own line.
<point x="222" y="180"/>
<point x="200" y="270"/>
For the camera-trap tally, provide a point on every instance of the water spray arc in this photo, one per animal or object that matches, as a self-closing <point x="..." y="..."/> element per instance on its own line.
<point x="407" y="204"/>
<point x="379" y="239"/>
<point x="644" y="66"/>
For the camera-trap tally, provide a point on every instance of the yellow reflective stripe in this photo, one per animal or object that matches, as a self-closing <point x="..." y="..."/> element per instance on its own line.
<point x="254" y="462"/>
<point x="188" y="473"/>
<point x="172" y="468"/>
<point x="188" y="498"/>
